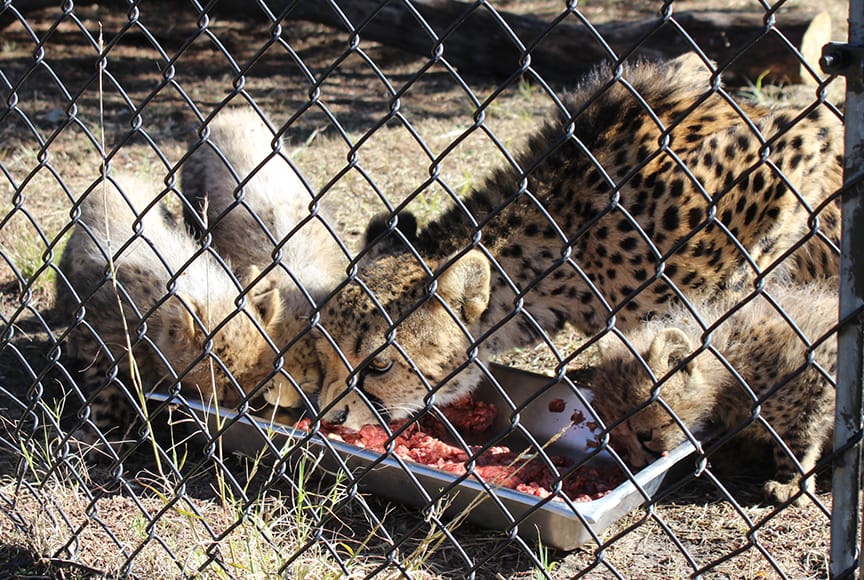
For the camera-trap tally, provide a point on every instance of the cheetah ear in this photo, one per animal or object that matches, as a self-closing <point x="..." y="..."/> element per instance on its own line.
<point x="381" y="239"/>
<point x="249" y="275"/>
<point x="269" y="305"/>
<point x="465" y="285"/>
<point x="265" y="295"/>
<point x="185" y="306"/>
<point x="378" y="226"/>
<point x="667" y="350"/>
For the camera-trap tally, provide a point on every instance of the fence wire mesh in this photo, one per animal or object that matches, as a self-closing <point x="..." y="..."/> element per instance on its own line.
<point x="369" y="288"/>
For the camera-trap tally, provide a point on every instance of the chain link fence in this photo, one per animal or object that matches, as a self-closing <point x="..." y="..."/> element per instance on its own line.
<point x="366" y="288"/>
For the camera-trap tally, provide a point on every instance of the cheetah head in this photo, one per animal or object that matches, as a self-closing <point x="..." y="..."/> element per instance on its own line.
<point x="394" y="336"/>
<point x="217" y="350"/>
<point x="623" y="389"/>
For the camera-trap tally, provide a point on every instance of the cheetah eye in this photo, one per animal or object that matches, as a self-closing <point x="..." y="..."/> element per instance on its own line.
<point x="644" y="436"/>
<point x="378" y="366"/>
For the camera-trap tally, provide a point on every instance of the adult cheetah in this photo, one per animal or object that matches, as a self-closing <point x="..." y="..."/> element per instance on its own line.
<point x="612" y="213"/>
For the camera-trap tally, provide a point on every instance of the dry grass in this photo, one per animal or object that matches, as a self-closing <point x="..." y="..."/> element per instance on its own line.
<point x="176" y="525"/>
<point x="164" y="532"/>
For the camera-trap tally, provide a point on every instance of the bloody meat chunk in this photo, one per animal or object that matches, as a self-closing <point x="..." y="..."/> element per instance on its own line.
<point x="470" y="416"/>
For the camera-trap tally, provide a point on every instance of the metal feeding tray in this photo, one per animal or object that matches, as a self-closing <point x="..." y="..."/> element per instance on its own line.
<point x="560" y="524"/>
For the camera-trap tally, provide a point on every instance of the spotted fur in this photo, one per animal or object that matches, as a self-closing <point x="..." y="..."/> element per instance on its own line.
<point x="607" y="217"/>
<point x="692" y="387"/>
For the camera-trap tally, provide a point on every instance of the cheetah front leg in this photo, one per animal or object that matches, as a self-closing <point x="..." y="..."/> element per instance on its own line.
<point x="111" y="416"/>
<point x="787" y="482"/>
<point x="111" y="419"/>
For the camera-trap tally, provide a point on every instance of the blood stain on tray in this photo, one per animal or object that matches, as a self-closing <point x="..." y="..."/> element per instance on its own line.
<point x="557" y="406"/>
<point x="422" y="443"/>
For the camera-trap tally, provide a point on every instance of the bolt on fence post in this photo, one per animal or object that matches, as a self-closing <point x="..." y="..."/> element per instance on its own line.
<point x="845" y="514"/>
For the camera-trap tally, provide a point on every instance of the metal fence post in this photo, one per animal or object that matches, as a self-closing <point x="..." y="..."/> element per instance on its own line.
<point x="845" y="518"/>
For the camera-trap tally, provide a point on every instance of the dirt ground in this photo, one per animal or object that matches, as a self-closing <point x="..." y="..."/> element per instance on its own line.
<point x="60" y="113"/>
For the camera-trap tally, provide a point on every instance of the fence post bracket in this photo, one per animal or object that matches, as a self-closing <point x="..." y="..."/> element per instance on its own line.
<point x="841" y="59"/>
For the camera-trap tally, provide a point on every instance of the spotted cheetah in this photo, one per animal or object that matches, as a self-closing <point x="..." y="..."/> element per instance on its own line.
<point x="130" y="276"/>
<point x="262" y="218"/>
<point x="770" y="371"/>
<point x="653" y="184"/>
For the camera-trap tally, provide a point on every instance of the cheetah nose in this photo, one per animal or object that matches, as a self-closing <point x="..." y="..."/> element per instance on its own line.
<point x="338" y="417"/>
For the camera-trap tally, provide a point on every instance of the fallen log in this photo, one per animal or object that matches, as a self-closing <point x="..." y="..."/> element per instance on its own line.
<point x="474" y="38"/>
<point x="477" y="39"/>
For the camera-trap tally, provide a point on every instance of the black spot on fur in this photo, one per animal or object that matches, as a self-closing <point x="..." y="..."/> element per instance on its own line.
<point x="758" y="182"/>
<point x="602" y="233"/>
<point x="625" y="226"/>
<point x="782" y="120"/>
<point x="751" y="213"/>
<point x="671" y="218"/>
<point x="689" y="278"/>
<point x="651" y="180"/>
<point x="512" y="251"/>
<point x="779" y="190"/>
<point x="795" y="161"/>
<point x="694" y="216"/>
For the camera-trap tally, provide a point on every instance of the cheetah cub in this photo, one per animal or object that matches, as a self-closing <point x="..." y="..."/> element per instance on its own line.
<point x="695" y="387"/>
<point x="129" y="276"/>
<point x="258" y="211"/>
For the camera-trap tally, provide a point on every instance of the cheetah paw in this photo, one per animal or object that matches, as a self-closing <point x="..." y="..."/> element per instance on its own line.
<point x="784" y="492"/>
<point x="283" y="395"/>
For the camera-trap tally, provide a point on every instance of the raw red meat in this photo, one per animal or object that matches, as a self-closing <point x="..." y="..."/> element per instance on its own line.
<point x="422" y="443"/>
<point x="469" y="416"/>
